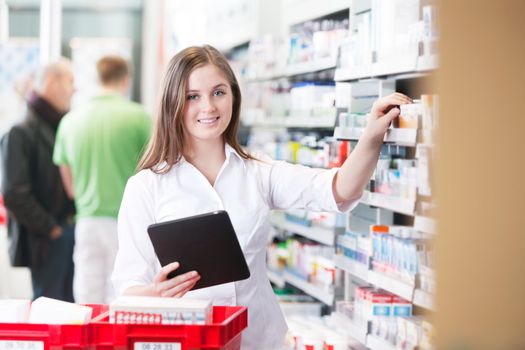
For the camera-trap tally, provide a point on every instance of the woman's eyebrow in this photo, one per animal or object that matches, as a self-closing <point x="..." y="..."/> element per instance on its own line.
<point x="215" y="87"/>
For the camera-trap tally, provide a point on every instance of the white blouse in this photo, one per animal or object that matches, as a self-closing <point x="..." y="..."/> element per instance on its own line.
<point x="247" y="190"/>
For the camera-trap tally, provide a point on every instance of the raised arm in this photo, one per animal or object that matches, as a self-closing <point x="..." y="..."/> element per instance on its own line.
<point x="356" y="171"/>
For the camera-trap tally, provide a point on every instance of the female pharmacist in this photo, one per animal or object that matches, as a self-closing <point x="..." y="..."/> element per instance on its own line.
<point x="194" y="165"/>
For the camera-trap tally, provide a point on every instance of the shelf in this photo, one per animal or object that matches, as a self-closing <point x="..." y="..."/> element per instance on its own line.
<point x="424" y="299"/>
<point x="276" y="278"/>
<point x="391" y="284"/>
<point x="398" y="136"/>
<point x="396" y="204"/>
<point x="352" y="267"/>
<point x="310" y="289"/>
<point x="226" y="42"/>
<point x="352" y="134"/>
<point x="327" y="122"/>
<point x="349" y="74"/>
<point x="415" y="67"/>
<point x="425" y="224"/>
<point x="322" y="235"/>
<point x="375" y="343"/>
<point x="310" y="67"/>
<point x="376" y="70"/>
<point x="427" y="62"/>
<point x="304" y="10"/>
<point x="267" y="77"/>
<point x="404" y="137"/>
<point x="353" y="329"/>
<point x="268" y="123"/>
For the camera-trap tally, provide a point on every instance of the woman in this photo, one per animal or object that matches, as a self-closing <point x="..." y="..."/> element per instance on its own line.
<point x="194" y="165"/>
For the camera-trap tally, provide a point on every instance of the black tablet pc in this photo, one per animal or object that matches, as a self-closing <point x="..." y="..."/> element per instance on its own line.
<point x="205" y="243"/>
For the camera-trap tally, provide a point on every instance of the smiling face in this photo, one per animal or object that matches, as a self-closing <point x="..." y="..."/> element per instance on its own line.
<point x="208" y="106"/>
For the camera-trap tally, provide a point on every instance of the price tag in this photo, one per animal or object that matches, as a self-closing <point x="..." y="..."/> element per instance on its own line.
<point x="156" y="346"/>
<point x="21" y="345"/>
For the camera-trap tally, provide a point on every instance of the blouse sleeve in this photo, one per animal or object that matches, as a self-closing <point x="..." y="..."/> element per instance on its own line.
<point x="135" y="263"/>
<point x="291" y="186"/>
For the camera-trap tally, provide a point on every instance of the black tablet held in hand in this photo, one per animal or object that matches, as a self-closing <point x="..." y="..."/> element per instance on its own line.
<point x="205" y="243"/>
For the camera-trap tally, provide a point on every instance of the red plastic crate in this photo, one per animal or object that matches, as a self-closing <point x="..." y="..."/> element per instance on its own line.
<point x="27" y="336"/>
<point x="223" y="333"/>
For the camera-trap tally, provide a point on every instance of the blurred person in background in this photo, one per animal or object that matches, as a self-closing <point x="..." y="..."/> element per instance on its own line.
<point x="98" y="148"/>
<point x="40" y="214"/>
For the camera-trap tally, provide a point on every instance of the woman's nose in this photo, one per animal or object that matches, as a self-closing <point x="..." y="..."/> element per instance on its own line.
<point x="207" y="105"/>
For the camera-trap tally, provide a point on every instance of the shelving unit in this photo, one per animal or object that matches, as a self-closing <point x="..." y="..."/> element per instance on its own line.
<point x="352" y="267"/>
<point x="306" y="122"/>
<point x="425" y="224"/>
<point x="276" y="278"/>
<point x="409" y="66"/>
<point x="319" y="234"/>
<point x="357" y="331"/>
<point x="311" y="67"/>
<point x="399" y="205"/>
<point x="385" y="70"/>
<point x="317" y="292"/>
<point x="401" y="137"/>
<point x="375" y="343"/>
<point x="327" y="122"/>
<point x="388" y="283"/>
<point x="391" y="284"/>
<point x="424" y="299"/>
<point x="280" y="279"/>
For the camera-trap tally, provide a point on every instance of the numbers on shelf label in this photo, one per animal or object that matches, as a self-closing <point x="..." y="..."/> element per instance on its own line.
<point x="21" y="345"/>
<point x="156" y="346"/>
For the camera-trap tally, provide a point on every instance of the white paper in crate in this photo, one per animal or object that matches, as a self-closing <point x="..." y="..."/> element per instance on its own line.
<point x="156" y="310"/>
<point x="52" y="311"/>
<point x="14" y="310"/>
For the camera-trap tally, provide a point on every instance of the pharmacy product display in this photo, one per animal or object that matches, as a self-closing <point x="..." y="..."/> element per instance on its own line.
<point x="372" y="268"/>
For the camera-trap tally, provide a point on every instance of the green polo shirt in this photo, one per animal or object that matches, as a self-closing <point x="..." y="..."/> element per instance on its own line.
<point x="102" y="142"/>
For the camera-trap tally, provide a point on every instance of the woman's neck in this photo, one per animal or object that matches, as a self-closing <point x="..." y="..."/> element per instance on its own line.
<point x="207" y="157"/>
<point x="205" y="150"/>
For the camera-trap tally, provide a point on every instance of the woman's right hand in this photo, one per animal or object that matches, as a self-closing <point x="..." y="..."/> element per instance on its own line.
<point x="174" y="287"/>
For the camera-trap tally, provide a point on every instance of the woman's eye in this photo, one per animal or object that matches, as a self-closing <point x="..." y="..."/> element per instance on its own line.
<point x="218" y="93"/>
<point x="192" y="97"/>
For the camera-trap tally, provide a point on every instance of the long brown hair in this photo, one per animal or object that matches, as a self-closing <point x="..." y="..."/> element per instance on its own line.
<point x="168" y="140"/>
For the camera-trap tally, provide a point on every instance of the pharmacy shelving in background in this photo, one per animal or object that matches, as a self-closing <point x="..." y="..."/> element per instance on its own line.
<point x="323" y="235"/>
<point x="401" y="137"/>
<point x="404" y="289"/>
<point x="318" y="122"/>
<point x="276" y="278"/>
<point x="366" y="72"/>
<point x="281" y="278"/>
<point x="376" y="343"/>
<point x="425" y="224"/>
<point x="423" y="65"/>
<point x="404" y="206"/>
<point x="311" y="67"/>
<point x="322" y="294"/>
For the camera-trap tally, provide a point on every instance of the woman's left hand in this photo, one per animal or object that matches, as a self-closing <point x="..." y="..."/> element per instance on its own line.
<point x="384" y="111"/>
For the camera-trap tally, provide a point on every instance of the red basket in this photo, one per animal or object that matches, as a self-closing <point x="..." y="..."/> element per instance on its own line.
<point x="27" y="336"/>
<point x="223" y="333"/>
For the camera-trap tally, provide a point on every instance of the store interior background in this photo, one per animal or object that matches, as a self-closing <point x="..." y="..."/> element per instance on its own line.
<point x="477" y="180"/>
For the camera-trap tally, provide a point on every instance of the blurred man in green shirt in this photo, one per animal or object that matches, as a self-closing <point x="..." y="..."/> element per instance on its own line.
<point x="98" y="146"/>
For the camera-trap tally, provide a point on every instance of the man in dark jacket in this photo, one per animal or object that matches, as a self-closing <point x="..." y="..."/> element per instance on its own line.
<point x="40" y="214"/>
